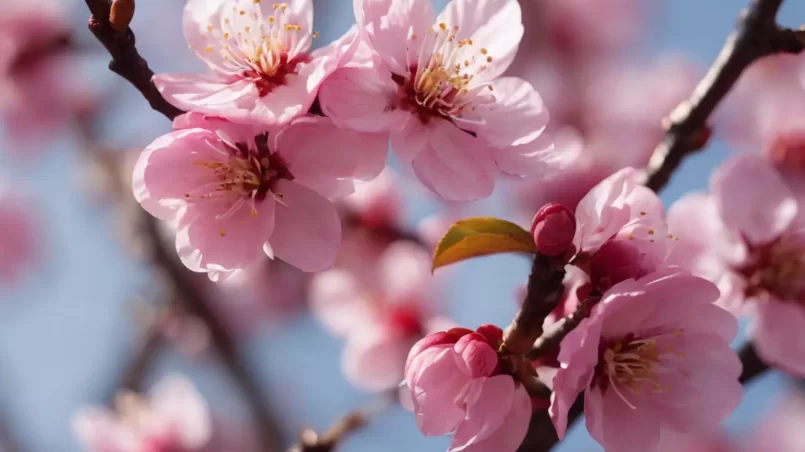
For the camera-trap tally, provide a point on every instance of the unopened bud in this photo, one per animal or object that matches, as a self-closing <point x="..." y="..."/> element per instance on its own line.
<point x="553" y="229"/>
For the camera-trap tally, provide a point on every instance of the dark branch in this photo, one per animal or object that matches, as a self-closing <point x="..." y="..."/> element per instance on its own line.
<point x="543" y="293"/>
<point x="753" y="366"/>
<point x="756" y="35"/>
<point x="126" y="61"/>
<point x="549" y="341"/>
<point x="353" y="421"/>
<point x="149" y="346"/>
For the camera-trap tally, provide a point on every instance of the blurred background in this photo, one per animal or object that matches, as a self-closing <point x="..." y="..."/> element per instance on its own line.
<point x="72" y="322"/>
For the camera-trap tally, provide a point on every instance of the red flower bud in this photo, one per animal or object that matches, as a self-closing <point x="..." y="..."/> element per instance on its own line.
<point x="553" y="228"/>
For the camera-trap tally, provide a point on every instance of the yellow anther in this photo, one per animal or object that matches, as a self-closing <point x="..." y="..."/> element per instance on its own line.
<point x="208" y="49"/>
<point x="488" y="59"/>
<point x="443" y="26"/>
<point x="484" y="51"/>
<point x="651" y="231"/>
<point x="209" y="28"/>
<point x="315" y="34"/>
<point x="222" y="233"/>
<point x="242" y="12"/>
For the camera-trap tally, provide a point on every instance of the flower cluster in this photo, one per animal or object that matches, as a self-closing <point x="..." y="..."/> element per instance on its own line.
<point x="274" y="131"/>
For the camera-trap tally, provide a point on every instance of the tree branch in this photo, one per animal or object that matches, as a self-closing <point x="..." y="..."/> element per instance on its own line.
<point x="126" y="61"/>
<point x="549" y="341"/>
<point x="753" y="366"/>
<point x="543" y="293"/>
<point x="756" y="35"/>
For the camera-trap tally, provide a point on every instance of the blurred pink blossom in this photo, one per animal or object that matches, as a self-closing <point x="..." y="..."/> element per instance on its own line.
<point x="747" y="237"/>
<point x="609" y="118"/>
<point x="18" y="248"/>
<point x="260" y="65"/>
<point x="781" y="430"/>
<point x="174" y="417"/>
<point x="438" y="89"/>
<point x="377" y="204"/>
<point x="455" y="386"/>
<point x="765" y="113"/>
<point x="37" y="90"/>
<point x="237" y="191"/>
<point x="381" y="307"/>
<point x="653" y="355"/>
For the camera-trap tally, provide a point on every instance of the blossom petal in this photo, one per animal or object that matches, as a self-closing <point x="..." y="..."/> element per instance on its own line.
<point x="518" y="116"/>
<point x="374" y="358"/>
<point x="495" y="25"/>
<point x="336" y="300"/>
<point x="307" y="234"/>
<point x="455" y="165"/>
<point x="511" y="433"/>
<point x="753" y="199"/>
<point x="777" y="335"/>
<point x="618" y="427"/>
<point x="207" y="93"/>
<point x="487" y="414"/>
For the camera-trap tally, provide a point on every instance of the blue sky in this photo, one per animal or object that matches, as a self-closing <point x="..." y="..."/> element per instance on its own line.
<point x="66" y="331"/>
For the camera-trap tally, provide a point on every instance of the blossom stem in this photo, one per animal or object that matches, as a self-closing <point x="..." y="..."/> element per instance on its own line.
<point x="126" y="60"/>
<point x="543" y="293"/>
<point x="756" y="35"/>
<point x="549" y="341"/>
<point x="350" y="422"/>
<point x="753" y="366"/>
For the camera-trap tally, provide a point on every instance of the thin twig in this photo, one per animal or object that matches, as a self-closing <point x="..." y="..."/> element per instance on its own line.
<point x="753" y="366"/>
<point x="551" y="339"/>
<point x="543" y="292"/>
<point x="350" y="422"/>
<point x="126" y="60"/>
<point x="756" y="35"/>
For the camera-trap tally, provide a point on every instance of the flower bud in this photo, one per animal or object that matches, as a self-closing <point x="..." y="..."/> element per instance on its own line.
<point x="553" y="228"/>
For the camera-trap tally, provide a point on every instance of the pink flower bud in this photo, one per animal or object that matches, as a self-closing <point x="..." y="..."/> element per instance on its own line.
<point x="553" y="229"/>
<point x="479" y="359"/>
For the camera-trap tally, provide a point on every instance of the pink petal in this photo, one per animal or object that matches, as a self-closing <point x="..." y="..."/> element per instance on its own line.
<point x="761" y="213"/>
<point x="205" y="243"/>
<point x="705" y="243"/>
<point x="336" y="300"/>
<point x="513" y="431"/>
<point x="405" y="271"/>
<point x="518" y="116"/>
<point x="487" y="414"/>
<point x="198" y="15"/>
<point x="307" y="234"/>
<point x="165" y="172"/>
<point x="777" y="334"/>
<point x="455" y="165"/>
<point x="208" y="93"/>
<point x="387" y="25"/>
<point x="436" y="393"/>
<point x="618" y="427"/>
<point x="496" y="25"/>
<point x="360" y="98"/>
<point x="410" y="141"/>
<point x="326" y="158"/>
<point x="179" y="404"/>
<point x="374" y="359"/>
<point x="475" y="356"/>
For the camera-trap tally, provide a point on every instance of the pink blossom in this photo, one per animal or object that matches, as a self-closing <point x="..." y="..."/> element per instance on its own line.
<point x="378" y="203"/>
<point x="553" y="229"/>
<point x="436" y="85"/>
<point x="455" y="386"/>
<point x="781" y="430"/>
<point x="19" y="245"/>
<point x="238" y="191"/>
<point x="174" y="417"/>
<point x="605" y="116"/>
<point x="751" y="243"/>
<point x="765" y="112"/>
<point x="621" y="231"/>
<point x="37" y="91"/>
<point x="590" y="27"/>
<point x="381" y="308"/>
<point x="653" y="355"/>
<point x="260" y="67"/>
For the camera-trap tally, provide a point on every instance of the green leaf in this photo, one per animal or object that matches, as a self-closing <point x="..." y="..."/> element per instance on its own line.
<point x="473" y="237"/>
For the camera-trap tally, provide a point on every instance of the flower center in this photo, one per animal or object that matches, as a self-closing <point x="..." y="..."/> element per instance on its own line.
<point x="405" y="318"/>
<point x="777" y="269"/>
<point x="442" y="79"/>
<point x="634" y="363"/>
<point x="265" y="51"/>
<point x="788" y="151"/>
<point x="250" y="173"/>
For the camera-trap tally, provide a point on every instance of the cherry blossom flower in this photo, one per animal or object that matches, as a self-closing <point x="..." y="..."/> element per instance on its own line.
<point x="260" y="67"/>
<point x="376" y="204"/>
<point x="621" y="231"/>
<point x="455" y="386"/>
<point x="174" y="417"/>
<point x="37" y="91"/>
<point x="605" y="116"/>
<point x="751" y="243"/>
<point x="19" y="245"/>
<point x="236" y="191"/>
<point x="653" y="355"/>
<point x="436" y="85"/>
<point x="381" y="308"/>
<point x="765" y="112"/>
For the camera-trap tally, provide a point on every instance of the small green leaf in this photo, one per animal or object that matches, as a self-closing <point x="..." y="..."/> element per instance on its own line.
<point x="473" y="237"/>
